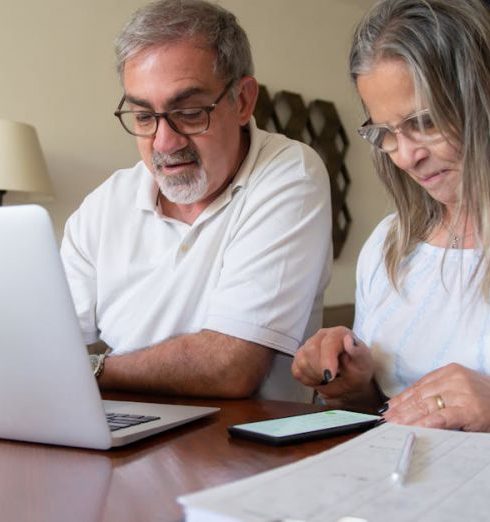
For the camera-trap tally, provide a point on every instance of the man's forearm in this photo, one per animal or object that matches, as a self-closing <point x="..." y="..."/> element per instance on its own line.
<point x="202" y="364"/>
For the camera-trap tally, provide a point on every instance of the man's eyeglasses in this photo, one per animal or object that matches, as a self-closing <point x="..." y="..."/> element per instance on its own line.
<point x="188" y="122"/>
<point x="417" y="127"/>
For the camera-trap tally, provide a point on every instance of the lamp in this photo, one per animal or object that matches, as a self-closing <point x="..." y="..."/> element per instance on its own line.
<point x="22" y="164"/>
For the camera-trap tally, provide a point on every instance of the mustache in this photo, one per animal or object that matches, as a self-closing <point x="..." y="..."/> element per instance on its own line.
<point x="160" y="159"/>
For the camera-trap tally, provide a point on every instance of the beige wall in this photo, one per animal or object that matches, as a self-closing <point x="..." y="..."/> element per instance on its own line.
<point x="57" y="74"/>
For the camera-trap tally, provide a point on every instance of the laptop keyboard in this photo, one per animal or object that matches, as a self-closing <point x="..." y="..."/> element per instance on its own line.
<point x="118" y="421"/>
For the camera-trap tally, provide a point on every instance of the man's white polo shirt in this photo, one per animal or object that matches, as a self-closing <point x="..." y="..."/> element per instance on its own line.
<point x="254" y="264"/>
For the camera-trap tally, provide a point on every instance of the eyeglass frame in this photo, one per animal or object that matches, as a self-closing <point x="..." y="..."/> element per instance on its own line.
<point x="208" y="109"/>
<point x="397" y="129"/>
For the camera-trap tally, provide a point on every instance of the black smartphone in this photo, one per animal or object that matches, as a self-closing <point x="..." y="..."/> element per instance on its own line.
<point x="308" y="426"/>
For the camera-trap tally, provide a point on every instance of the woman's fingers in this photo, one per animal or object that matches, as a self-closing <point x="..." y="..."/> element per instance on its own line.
<point x="451" y="397"/>
<point x="317" y="360"/>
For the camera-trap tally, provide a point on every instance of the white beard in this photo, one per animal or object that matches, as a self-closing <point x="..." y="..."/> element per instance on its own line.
<point x="185" y="188"/>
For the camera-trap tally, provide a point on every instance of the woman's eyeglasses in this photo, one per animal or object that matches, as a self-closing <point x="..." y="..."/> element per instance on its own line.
<point x="417" y="127"/>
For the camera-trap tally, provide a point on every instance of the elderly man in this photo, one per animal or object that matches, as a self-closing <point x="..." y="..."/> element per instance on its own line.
<point x="203" y="267"/>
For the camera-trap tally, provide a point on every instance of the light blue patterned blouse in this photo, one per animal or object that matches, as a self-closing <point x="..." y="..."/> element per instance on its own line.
<point x="439" y="316"/>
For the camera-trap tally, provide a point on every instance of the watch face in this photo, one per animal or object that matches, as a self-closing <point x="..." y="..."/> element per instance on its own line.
<point x="94" y="361"/>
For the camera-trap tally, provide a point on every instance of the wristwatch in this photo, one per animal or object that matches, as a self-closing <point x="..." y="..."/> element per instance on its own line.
<point x="97" y="362"/>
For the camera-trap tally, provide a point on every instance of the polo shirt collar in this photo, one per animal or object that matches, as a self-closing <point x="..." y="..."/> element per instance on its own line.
<point x="243" y="174"/>
<point x="146" y="196"/>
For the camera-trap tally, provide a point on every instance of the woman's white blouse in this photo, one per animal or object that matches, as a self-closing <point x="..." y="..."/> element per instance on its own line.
<point x="438" y="316"/>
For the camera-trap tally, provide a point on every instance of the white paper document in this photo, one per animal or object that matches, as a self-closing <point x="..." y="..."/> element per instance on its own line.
<point x="448" y="480"/>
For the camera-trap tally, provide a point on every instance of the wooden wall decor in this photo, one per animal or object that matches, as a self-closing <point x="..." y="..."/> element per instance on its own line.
<point x="318" y="125"/>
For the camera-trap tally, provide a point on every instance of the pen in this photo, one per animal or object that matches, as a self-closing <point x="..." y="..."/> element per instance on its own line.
<point x="403" y="463"/>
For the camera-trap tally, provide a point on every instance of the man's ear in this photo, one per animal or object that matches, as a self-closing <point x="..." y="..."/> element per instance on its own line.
<point x="247" y="92"/>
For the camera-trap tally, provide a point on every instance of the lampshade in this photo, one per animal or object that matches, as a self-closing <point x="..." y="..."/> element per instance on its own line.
<point x="22" y="164"/>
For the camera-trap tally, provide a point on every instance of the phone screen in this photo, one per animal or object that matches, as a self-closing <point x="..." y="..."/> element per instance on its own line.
<point x="305" y="427"/>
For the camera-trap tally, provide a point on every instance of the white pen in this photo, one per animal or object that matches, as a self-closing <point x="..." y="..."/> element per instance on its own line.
<point x="403" y="463"/>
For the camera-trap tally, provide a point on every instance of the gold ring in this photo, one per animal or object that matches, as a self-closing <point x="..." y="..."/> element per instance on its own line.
<point x="440" y="402"/>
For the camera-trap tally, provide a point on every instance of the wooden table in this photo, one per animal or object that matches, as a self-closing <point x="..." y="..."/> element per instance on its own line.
<point x="141" y="482"/>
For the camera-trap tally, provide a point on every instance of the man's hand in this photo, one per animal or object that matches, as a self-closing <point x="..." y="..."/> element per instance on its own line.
<point x="451" y="397"/>
<point x="336" y="356"/>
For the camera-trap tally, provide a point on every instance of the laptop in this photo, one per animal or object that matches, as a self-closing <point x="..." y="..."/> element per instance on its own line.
<point x="48" y="393"/>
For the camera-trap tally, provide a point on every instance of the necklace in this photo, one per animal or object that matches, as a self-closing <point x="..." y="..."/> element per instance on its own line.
<point x="454" y="238"/>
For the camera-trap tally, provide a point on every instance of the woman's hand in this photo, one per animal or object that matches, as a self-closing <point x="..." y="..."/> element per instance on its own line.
<point x="451" y="397"/>
<point x="336" y="364"/>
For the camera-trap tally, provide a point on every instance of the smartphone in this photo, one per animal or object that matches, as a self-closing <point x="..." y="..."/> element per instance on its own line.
<point x="308" y="426"/>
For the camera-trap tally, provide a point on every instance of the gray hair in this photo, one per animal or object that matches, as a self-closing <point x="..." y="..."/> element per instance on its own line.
<point x="170" y="21"/>
<point x="446" y="46"/>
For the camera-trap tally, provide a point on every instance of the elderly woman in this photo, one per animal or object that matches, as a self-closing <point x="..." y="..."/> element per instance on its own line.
<point x="422" y="328"/>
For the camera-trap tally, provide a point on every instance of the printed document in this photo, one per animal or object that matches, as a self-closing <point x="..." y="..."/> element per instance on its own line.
<point x="448" y="480"/>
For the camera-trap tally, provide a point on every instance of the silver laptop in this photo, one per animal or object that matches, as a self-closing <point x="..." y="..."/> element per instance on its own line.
<point x="48" y="393"/>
